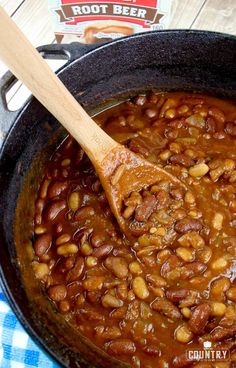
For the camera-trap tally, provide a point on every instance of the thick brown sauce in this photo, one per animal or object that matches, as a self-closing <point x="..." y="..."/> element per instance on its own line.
<point x="148" y="301"/>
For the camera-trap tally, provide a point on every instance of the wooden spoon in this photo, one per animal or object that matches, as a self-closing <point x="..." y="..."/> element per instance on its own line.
<point x="120" y="170"/>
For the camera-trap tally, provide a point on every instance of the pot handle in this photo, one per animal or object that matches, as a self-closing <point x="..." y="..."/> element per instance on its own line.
<point x="7" y="117"/>
<point x="68" y="52"/>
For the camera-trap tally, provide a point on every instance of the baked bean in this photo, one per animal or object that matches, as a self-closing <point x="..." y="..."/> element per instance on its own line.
<point x="196" y="120"/>
<point x="231" y="294"/>
<point x="156" y="280"/>
<point x="135" y="267"/>
<point x="118" y="266"/>
<point x="220" y="334"/>
<point x="145" y="209"/>
<point x="217" y="114"/>
<point x="151" y="113"/>
<point x="198" y="170"/>
<point x="183" y="334"/>
<point x="217" y="309"/>
<point x="93" y="283"/>
<point x="55" y="189"/>
<point x="108" y="333"/>
<point x="41" y="270"/>
<point x="188" y="224"/>
<point x="171" y="283"/>
<point x="110" y="301"/>
<point x="67" y="249"/>
<point x="64" y="238"/>
<point x="185" y="254"/>
<point x="77" y="270"/>
<point x="83" y="213"/>
<point x="140" y="288"/>
<point x="57" y="293"/>
<point x="166" y="308"/>
<point x="42" y="244"/>
<point x="97" y="239"/>
<point x="74" y="201"/>
<point x="219" y="287"/>
<point x="122" y="347"/>
<point x="199" y="318"/>
<point x="231" y="129"/>
<point x="176" y="295"/>
<point x="192" y="269"/>
<point x="219" y="264"/>
<point x="55" y="209"/>
<point x="64" y="306"/>
<point x="192" y="239"/>
<point x="102" y="251"/>
<point x="181" y="159"/>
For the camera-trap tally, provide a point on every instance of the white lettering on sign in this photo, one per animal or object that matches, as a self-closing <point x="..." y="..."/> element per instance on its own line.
<point x="129" y="11"/>
<point x="86" y="9"/>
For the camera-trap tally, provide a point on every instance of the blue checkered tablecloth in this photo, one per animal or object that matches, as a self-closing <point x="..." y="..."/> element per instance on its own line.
<point x="17" y="349"/>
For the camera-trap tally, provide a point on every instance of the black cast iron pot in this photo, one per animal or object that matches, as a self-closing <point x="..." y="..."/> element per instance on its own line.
<point x="169" y="60"/>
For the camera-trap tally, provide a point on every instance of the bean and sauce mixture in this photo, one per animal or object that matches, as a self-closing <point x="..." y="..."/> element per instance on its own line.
<point x="173" y="287"/>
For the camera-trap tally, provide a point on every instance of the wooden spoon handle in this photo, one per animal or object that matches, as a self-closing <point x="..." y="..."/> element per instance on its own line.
<point x="27" y="65"/>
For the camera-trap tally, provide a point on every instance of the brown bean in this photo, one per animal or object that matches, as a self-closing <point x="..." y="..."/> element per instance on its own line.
<point x="156" y="280"/>
<point x="172" y="263"/>
<point x="42" y="244"/>
<point x="57" y="293"/>
<point x="152" y="350"/>
<point x="122" y="291"/>
<point x="97" y="238"/>
<point x="84" y="213"/>
<point x="118" y="266"/>
<point x="54" y="209"/>
<point x="91" y="314"/>
<point x="231" y="294"/>
<point x="175" y="295"/>
<point x="151" y="113"/>
<point x="182" y="160"/>
<point x="210" y="125"/>
<point x="55" y="189"/>
<point x="145" y="209"/>
<point x="108" y="333"/>
<point x="44" y="188"/>
<point x="122" y="347"/>
<point x="199" y="318"/>
<point x="39" y="206"/>
<point x="182" y="361"/>
<point x="166" y="308"/>
<point x="219" y="287"/>
<point x="140" y="100"/>
<point x="217" y="114"/>
<point x="220" y="334"/>
<point x="64" y="306"/>
<point x="102" y="251"/>
<point x="192" y="269"/>
<point x="231" y="129"/>
<point x="77" y="270"/>
<point x="188" y="224"/>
